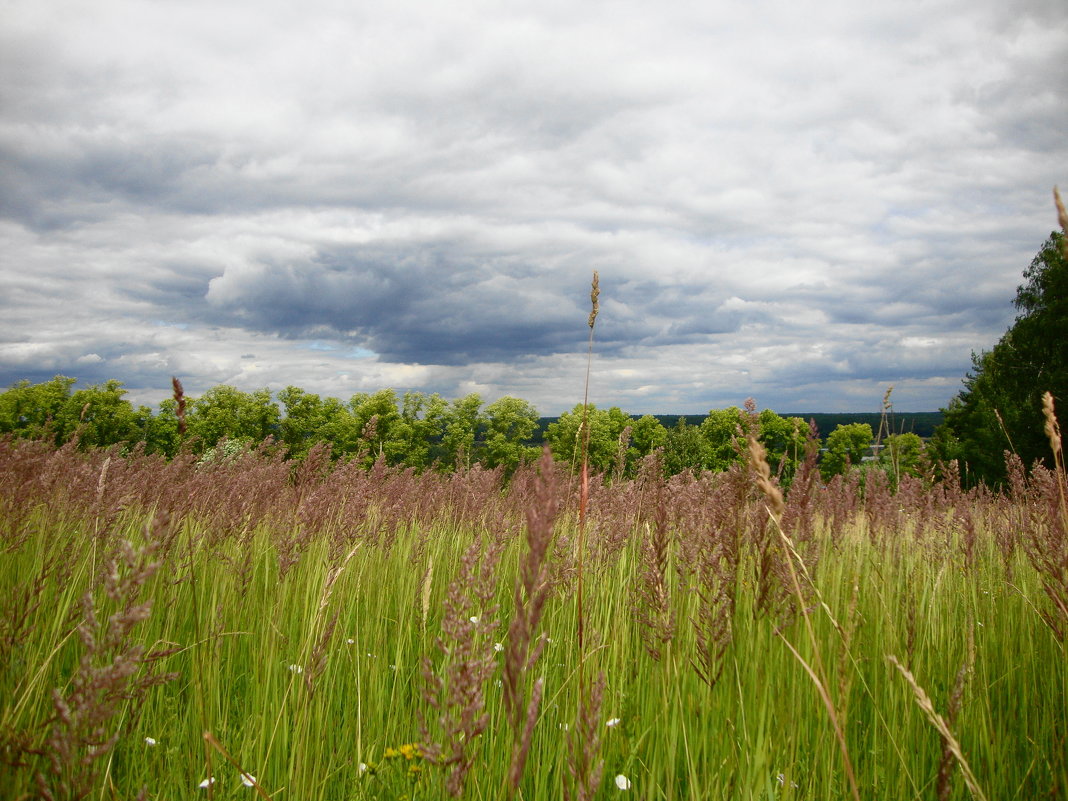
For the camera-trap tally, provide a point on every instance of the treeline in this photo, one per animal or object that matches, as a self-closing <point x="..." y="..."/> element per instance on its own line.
<point x="427" y="432"/>
<point x="923" y="424"/>
<point x="1003" y="408"/>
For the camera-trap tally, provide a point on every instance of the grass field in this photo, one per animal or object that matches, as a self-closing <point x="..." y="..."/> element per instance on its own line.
<point x="324" y="632"/>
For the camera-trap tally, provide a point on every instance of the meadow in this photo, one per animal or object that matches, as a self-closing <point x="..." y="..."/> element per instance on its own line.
<point x="246" y="626"/>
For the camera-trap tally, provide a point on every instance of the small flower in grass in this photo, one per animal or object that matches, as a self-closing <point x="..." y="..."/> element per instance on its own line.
<point x="409" y="751"/>
<point x="208" y="782"/>
<point x="612" y="722"/>
<point x="622" y="782"/>
<point x="361" y="768"/>
<point x="498" y="647"/>
<point x="248" y="780"/>
<point x="350" y="641"/>
<point x="150" y="741"/>
<point x="296" y="669"/>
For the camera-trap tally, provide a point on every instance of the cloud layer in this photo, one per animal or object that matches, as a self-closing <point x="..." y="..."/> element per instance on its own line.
<point x="803" y="204"/>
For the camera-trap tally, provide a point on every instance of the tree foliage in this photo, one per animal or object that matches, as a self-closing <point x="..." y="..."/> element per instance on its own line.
<point x="902" y="454"/>
<point x="846" y="446"/>
<point x="1000" y="407"/>
<point x="420" y="431"/>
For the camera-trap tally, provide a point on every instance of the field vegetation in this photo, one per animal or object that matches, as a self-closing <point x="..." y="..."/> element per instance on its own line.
<point x="284" y="617"/>
<point x="318" y="630"/>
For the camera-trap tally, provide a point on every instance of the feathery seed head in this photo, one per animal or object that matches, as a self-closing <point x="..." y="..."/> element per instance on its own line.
<point x="595" y="293"/>
<point x="1052" y="428"/>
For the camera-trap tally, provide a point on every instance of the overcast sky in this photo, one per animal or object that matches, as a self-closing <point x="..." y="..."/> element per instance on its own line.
<point x="802" y="202"/>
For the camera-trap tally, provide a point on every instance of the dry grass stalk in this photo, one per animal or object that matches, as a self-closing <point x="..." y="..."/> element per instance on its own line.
<point x="1053" y="433"/>
<point x="717" y="578"/>
<point x="83" y="730"/>
<point x="584" y="762"/>
<point x="457" y="691"/>
<point x="775" y="507"/>
<point x="845" y="674"/>
<point x="956" y="698"/>
<point x="923" y="701"/>
<point x="179" y="404"/>
<point x="1047" y="535"/>
<point x="595" y="293"/>
<point x="521" y="746"/>
<point x="524" y="644"/>
<point x="1062" y="220"/>
<point x="758" y="459"/>
<point x="652" y="601"/>
<point x="428" y="585"/>
<point x="772" y="577"/>
<point x="584" y="496"/>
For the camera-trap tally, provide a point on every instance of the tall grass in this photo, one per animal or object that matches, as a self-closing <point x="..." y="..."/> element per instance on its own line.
<point x="329" y="632"/>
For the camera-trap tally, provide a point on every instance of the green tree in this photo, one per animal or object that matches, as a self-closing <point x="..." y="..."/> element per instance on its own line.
<point x="301" y="426"/>
<point x="374" y="417"/>
<point x="100" y="416"/>
<point x="902" y="455"/>
<point x="339" y="427"/>
<point x="720" y="430"/>
<point x="227" y="412"/>
<point x="846" y="446"/>
<point x="415" y="439"/>
<point x="605" y="428"/>
<point x="724" y="432"/>
<point x="310" y="420"/>
<point x="784" y="439"/>
<point x="31" y="410"/>
<point x="510" y="423"/>
<point x="647" y="435"/>
<point x="463" y="422"/>
<point x="684" y="449"/>
<point x="1000" y="407"/>
<point x="159" y="431"/>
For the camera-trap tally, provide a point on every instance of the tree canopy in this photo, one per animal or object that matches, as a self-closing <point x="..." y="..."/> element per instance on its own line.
<point x="423" y="432"/>
<point x="1000" y="407"/>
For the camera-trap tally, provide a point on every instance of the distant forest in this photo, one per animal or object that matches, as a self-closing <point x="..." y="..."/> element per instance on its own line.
<point x="429" y="432"/>
<point x="922" y="424"/>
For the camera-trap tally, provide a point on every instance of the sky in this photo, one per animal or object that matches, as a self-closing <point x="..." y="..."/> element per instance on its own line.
<point x="802" y="203"/>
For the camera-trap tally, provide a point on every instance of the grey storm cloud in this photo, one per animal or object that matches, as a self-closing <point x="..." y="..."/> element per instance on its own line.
<point x="404" y="304"/>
